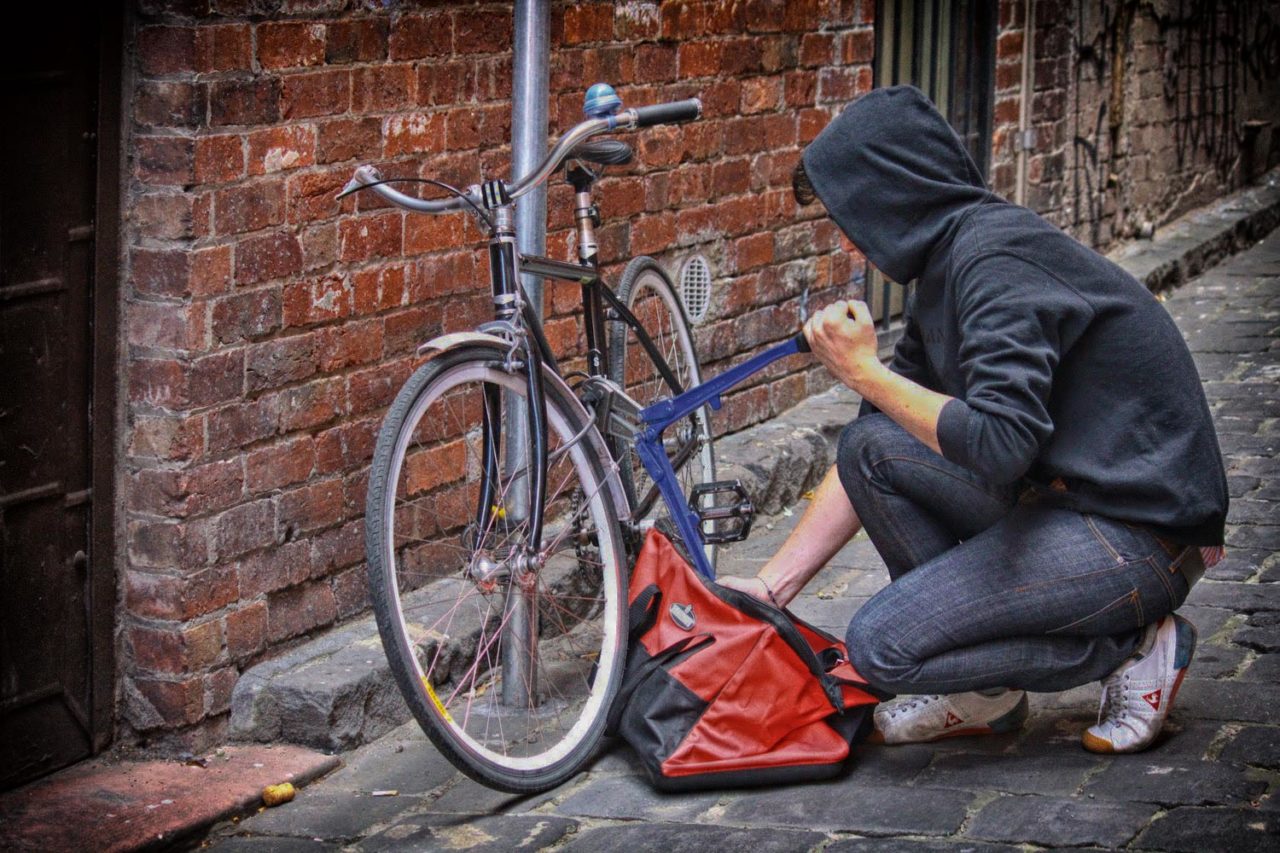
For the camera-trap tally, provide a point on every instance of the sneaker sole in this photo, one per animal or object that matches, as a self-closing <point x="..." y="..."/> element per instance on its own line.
<point x="1184" y="649"/>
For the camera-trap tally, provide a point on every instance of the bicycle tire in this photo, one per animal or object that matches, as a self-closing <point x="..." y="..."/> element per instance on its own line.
<point x="437" y="618"/>
<point x="648" y="293"/>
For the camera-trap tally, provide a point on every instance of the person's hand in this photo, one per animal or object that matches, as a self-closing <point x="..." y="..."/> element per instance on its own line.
<point x="754" y="586"/>
<point x="843" y="337"/>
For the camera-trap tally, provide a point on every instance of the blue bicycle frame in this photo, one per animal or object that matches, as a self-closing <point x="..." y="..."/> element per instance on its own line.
<point x="664" y="413"/>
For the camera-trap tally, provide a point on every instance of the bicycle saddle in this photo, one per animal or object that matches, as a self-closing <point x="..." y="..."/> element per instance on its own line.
<point x="604" y="152"/>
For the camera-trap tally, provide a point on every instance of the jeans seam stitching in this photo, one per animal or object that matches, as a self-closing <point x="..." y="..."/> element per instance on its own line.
<point x="1089" y="574"/>
<point x="1097" y="534"/>
<point x="1129" y="597"/>
<point x="1165" y="582"/>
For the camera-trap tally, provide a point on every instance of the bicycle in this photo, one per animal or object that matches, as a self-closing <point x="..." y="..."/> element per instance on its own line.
<point x="505" y="498"/>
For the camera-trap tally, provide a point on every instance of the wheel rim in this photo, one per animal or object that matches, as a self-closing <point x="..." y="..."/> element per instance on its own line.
<point x="448" y="599"/>
<point x="657" y="307"/>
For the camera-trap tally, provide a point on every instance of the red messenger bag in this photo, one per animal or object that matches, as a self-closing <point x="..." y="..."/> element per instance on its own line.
<point x="722" y="689"/>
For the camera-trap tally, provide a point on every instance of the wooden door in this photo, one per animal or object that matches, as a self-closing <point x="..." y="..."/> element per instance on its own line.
<point x="54" y="590"/>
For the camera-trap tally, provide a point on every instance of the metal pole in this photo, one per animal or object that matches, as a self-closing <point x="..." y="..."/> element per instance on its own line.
<point x="530" y="63"/>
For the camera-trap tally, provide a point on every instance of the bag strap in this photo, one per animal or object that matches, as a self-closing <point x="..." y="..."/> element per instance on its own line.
<point x="636" y="676"/>
<point x="643" y="612"/>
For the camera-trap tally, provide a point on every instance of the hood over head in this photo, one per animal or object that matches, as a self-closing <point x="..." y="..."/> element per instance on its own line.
<point x="895" y="178"/>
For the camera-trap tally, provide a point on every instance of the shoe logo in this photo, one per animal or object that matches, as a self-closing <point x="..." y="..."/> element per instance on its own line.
<point x="682" y="615"/>
<point x="1153" y="698"/>
<point x="952" y="720"/>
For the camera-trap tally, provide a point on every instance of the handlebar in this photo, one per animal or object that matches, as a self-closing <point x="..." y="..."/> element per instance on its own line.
<point x="367" y="177"/>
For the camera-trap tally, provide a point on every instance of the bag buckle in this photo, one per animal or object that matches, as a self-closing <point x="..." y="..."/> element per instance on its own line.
<point x="726" y="507"/>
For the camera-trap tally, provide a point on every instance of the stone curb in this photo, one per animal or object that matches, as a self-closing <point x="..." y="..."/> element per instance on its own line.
<point x="336" y="692"/>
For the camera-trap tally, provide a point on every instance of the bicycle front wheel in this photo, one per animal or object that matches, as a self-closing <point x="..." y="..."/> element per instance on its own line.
<point x="648" y="293"/>
<point x="508" y="652"/>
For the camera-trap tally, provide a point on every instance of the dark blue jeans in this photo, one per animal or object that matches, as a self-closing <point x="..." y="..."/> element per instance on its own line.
<point x="987" y="591"/>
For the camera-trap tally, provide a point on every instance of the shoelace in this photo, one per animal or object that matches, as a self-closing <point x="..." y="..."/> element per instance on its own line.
<point x="902" y="708"/>
<point x="1114" y="705"/>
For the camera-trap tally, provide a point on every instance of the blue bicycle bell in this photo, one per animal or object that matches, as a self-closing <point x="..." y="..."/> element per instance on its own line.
<point x="601" y="101"/>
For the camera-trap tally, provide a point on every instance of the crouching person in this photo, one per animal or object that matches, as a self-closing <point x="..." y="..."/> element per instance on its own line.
<point x="1037" y="465"/>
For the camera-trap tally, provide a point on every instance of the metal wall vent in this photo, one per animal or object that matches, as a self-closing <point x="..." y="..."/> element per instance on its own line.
<point x="695" y="288"/>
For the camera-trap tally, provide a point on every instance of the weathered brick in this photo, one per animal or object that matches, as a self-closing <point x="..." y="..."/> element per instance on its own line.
<point x="311" y="507"/>
<point x="415" y="133"/>
<point x="166" y="216"/>
<point x="174" y="703"/>
<point x="246" y="630"/>
<point x="168" y="437"/>
<point x="178" y="597"/>
<point x="319" y="246"/>
<point x="180" y="493"/>
<point x="161" y="272"/>
<point x="417" y="36"/>
<point x="319" y="93"/>
<point x="300" y="609"/>
<point x="246" y="315"/>
<point x="240" y="102"/>
<point x="224" y="48"/>
<point x="240" y="424"/>
<point x="337" y="548"/>
<point x="350" y="344"/>
<point x="166" y="49"/>
<point x="219" y="686"/>
<point x="371" y="237"/>
<point x="176" y="651"/>
<point x="316" y="301"/>
<point x="383" y="88"/>
<point x="351" y="591"/>
<point x="360" y="40"/>
<point x="181" y="545"/>
<point x="858" y="46"/>
<point x="349" y="139"/>
<point x="248" y="207"/>
<point x="273" y="569"/>
<point x="244" y="528"/>
<point x="166" y="325"/>
<point x="219" y="159"/>
<point x="311" y="405"/>
<point x="290" y="44"/>
<point x="164" y="159"/>
<point x="281" y="148"/>
<point x="165" y="104"/>
<point x="588" y="22"/>
<point x="447" y="83"/>
<point x="268" y="257"/>
<point x="274" y="363"/>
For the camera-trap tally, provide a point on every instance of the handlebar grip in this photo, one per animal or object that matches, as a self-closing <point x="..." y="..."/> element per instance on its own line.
<point x="672" y="113"/>
<point x="802" y="343"/>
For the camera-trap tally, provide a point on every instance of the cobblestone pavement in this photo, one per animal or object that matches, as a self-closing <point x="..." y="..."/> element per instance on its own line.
<point x="1211" y="783"/>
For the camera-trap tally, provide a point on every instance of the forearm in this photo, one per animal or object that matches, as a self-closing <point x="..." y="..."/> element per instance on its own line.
<point x="912" y="406"/>
<point x="826" y="525"/>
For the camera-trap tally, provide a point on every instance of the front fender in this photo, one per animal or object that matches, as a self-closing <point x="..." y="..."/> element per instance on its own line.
<point x="444" y="343"/>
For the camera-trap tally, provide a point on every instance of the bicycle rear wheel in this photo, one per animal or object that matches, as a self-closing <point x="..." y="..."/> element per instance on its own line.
<point x="649" y="294"/>
<point x="508" y="652"/>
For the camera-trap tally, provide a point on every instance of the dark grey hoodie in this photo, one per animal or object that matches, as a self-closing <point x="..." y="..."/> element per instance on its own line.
<point x="1061" y="364"/>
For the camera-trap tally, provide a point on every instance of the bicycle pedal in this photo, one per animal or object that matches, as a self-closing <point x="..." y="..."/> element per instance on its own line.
<point x="727" y="507"/>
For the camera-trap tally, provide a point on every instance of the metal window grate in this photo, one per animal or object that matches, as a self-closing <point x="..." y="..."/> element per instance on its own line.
<point x="695" y="288"/>
<point x="947" y="48"/>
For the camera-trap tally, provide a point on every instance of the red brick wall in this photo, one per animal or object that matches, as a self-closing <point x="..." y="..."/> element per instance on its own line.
<point x="267" y="327"/>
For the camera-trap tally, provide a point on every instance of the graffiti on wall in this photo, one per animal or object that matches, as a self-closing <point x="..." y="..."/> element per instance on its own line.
<point x="1212" y="52"/>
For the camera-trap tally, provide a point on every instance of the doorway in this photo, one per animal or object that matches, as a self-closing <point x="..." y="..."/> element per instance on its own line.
<point x="58" y="244"/>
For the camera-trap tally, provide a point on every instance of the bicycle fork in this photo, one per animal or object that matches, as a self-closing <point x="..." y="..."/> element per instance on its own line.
<point x="525" y="437"/>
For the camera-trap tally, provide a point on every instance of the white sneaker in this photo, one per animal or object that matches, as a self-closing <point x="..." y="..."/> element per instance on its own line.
<point x="1136" y="698"/>
<point x="919" y="719"/>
